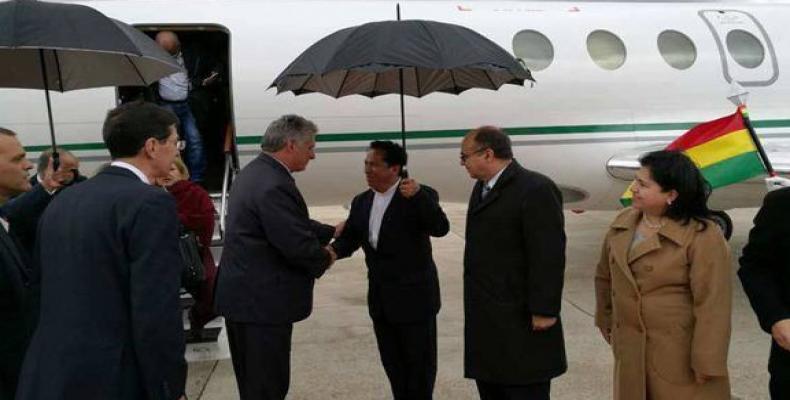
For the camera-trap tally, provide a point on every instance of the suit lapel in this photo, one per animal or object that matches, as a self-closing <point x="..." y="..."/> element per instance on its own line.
<point x="645" y="247"/>
<point x="507" y="175"/>
<point x="625" y="225"/>
<point x="365" y="207"/>
<point x="10" y="246"/>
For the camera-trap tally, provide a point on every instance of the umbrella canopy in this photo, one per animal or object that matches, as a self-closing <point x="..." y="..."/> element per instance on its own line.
<point x="431" y="56"/>
<point x="81" y="48"/>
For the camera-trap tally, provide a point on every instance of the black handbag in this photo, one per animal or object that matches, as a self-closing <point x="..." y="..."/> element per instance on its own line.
<point x="190" y="249"/>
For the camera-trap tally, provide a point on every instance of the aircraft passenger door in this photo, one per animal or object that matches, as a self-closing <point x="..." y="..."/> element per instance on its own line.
<point x="746" y="51"/>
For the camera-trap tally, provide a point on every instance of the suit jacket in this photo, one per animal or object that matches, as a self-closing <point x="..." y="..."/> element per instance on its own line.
<point x="16" y="312"/>
<point x="403" y="285"/>
<point x="273" y="252"/>
<point x="110" y="324"/>
<point x="765" y="269"/>
<point x="514" y="264"/>
<point x="24" y="212"/>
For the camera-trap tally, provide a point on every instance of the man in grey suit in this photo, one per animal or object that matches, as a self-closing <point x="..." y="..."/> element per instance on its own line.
<point x="514" y="263"/>
<point x="273" y="254"/>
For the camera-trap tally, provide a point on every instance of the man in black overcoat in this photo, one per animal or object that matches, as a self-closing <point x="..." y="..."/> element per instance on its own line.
<point x="765" y="275"/>
<point x="393" y="222"/>
<point x="272" y="256"/>
<point x="110" y="325"/>
<point x="514" y="263"/>
<point x="17" y="303"/>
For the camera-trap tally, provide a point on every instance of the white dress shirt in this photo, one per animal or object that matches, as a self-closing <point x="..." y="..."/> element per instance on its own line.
<point x="130" y="167"/>
<point x="491" y="182"/>
<point x="380" y="203"/>
<point x="175" y="87"/>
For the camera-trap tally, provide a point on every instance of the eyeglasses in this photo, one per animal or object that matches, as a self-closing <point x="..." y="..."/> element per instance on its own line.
<point x="465" y="157"/>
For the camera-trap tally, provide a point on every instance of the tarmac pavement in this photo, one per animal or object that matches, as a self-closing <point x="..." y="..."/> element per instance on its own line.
<point x="334" y="353"/>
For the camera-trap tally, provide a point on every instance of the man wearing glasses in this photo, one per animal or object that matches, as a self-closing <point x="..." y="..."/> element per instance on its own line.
<point x="514" y="263"/>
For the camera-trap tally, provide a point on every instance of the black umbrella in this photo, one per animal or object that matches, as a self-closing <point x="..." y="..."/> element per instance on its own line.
<point x="411" y="57"/>
<point x="64" y="47"/>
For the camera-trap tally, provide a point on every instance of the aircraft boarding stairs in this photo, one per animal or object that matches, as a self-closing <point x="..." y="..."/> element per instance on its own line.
<point x="212" y="330"/>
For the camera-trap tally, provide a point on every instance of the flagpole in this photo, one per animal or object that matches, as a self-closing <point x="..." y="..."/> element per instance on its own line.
<point x="746" y="121"/>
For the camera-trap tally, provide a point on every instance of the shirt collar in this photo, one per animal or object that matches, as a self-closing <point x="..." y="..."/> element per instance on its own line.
<point x="491" y="182"/>
<point x="130" y="167"/>
<point x="281" y="163"/>
<point x="389" y="191"/>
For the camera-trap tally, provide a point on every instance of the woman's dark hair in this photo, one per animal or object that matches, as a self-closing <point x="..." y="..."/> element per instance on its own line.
<point x="673" y="170"/>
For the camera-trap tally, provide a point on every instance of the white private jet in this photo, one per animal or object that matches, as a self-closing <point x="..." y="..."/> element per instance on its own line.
<point x="613" y="80"/>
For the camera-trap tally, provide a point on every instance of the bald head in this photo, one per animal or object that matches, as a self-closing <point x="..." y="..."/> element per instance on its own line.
<point x="168" y="40"/>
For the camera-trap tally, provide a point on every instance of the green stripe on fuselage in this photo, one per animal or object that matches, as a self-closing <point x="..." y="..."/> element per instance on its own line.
<point x="458" y="133"/>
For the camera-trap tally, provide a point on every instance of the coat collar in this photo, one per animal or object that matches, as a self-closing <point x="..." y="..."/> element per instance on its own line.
<point x="276" y="164"/>
<point x="672" y="230"/>
<point x="507" y="175"/>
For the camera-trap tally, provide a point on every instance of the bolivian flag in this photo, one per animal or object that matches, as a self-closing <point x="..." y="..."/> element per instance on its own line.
<point x="723" y="150"/>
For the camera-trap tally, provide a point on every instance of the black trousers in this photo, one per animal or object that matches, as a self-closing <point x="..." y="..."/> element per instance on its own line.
<point x="408" y="353"/>
<point x="534" y="391"/>
<point x="779" y="368"/>
<point x="261" y="356"/>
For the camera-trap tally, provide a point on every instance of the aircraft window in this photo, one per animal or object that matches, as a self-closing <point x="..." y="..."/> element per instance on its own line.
<point x="745" y="48"/>
<point x="606" y="49"/>
<point x="677" y="49"/>
<point x="534" y="49"/>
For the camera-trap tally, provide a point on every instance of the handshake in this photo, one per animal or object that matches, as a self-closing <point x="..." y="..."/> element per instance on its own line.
<point x="331" y="250"/>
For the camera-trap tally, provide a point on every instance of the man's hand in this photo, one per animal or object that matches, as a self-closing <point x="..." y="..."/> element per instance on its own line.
<point x="541" y="323"/>
<point x="781" y="333"/>
<point x="409" y="187"/>
<point x="339" y="229"/>
<point x="607" y="334"/>
<point x="332" y="255"/>
<point x="776" y="182"/>
<point x="48" y="178"/>
<point x="210" y="79"/>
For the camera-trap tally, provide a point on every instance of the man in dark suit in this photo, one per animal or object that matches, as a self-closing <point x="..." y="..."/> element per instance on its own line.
<point x="514" y="263"/>
<point x="765" y="274"/>
<point x="16" y="295"/>
<point x="110" y="325"/>
<point x="273" y="254"/>
<point x="25" y="210"/>
<point x="393" y="222"/>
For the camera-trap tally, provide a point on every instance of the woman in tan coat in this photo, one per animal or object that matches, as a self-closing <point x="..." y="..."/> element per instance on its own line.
<point x="663" y="288"/>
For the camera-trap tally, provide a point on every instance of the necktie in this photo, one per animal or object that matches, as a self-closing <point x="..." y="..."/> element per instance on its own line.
<point x="485" y="191"/>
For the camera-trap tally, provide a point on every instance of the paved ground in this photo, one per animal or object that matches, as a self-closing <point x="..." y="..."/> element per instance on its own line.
<point x="334" y="351"/>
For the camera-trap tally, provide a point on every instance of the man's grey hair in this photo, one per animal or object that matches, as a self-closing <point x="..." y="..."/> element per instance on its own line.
<point x="7" y="132"/>
<point x="288" y="127"/>
<point x="43" y="158"/>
